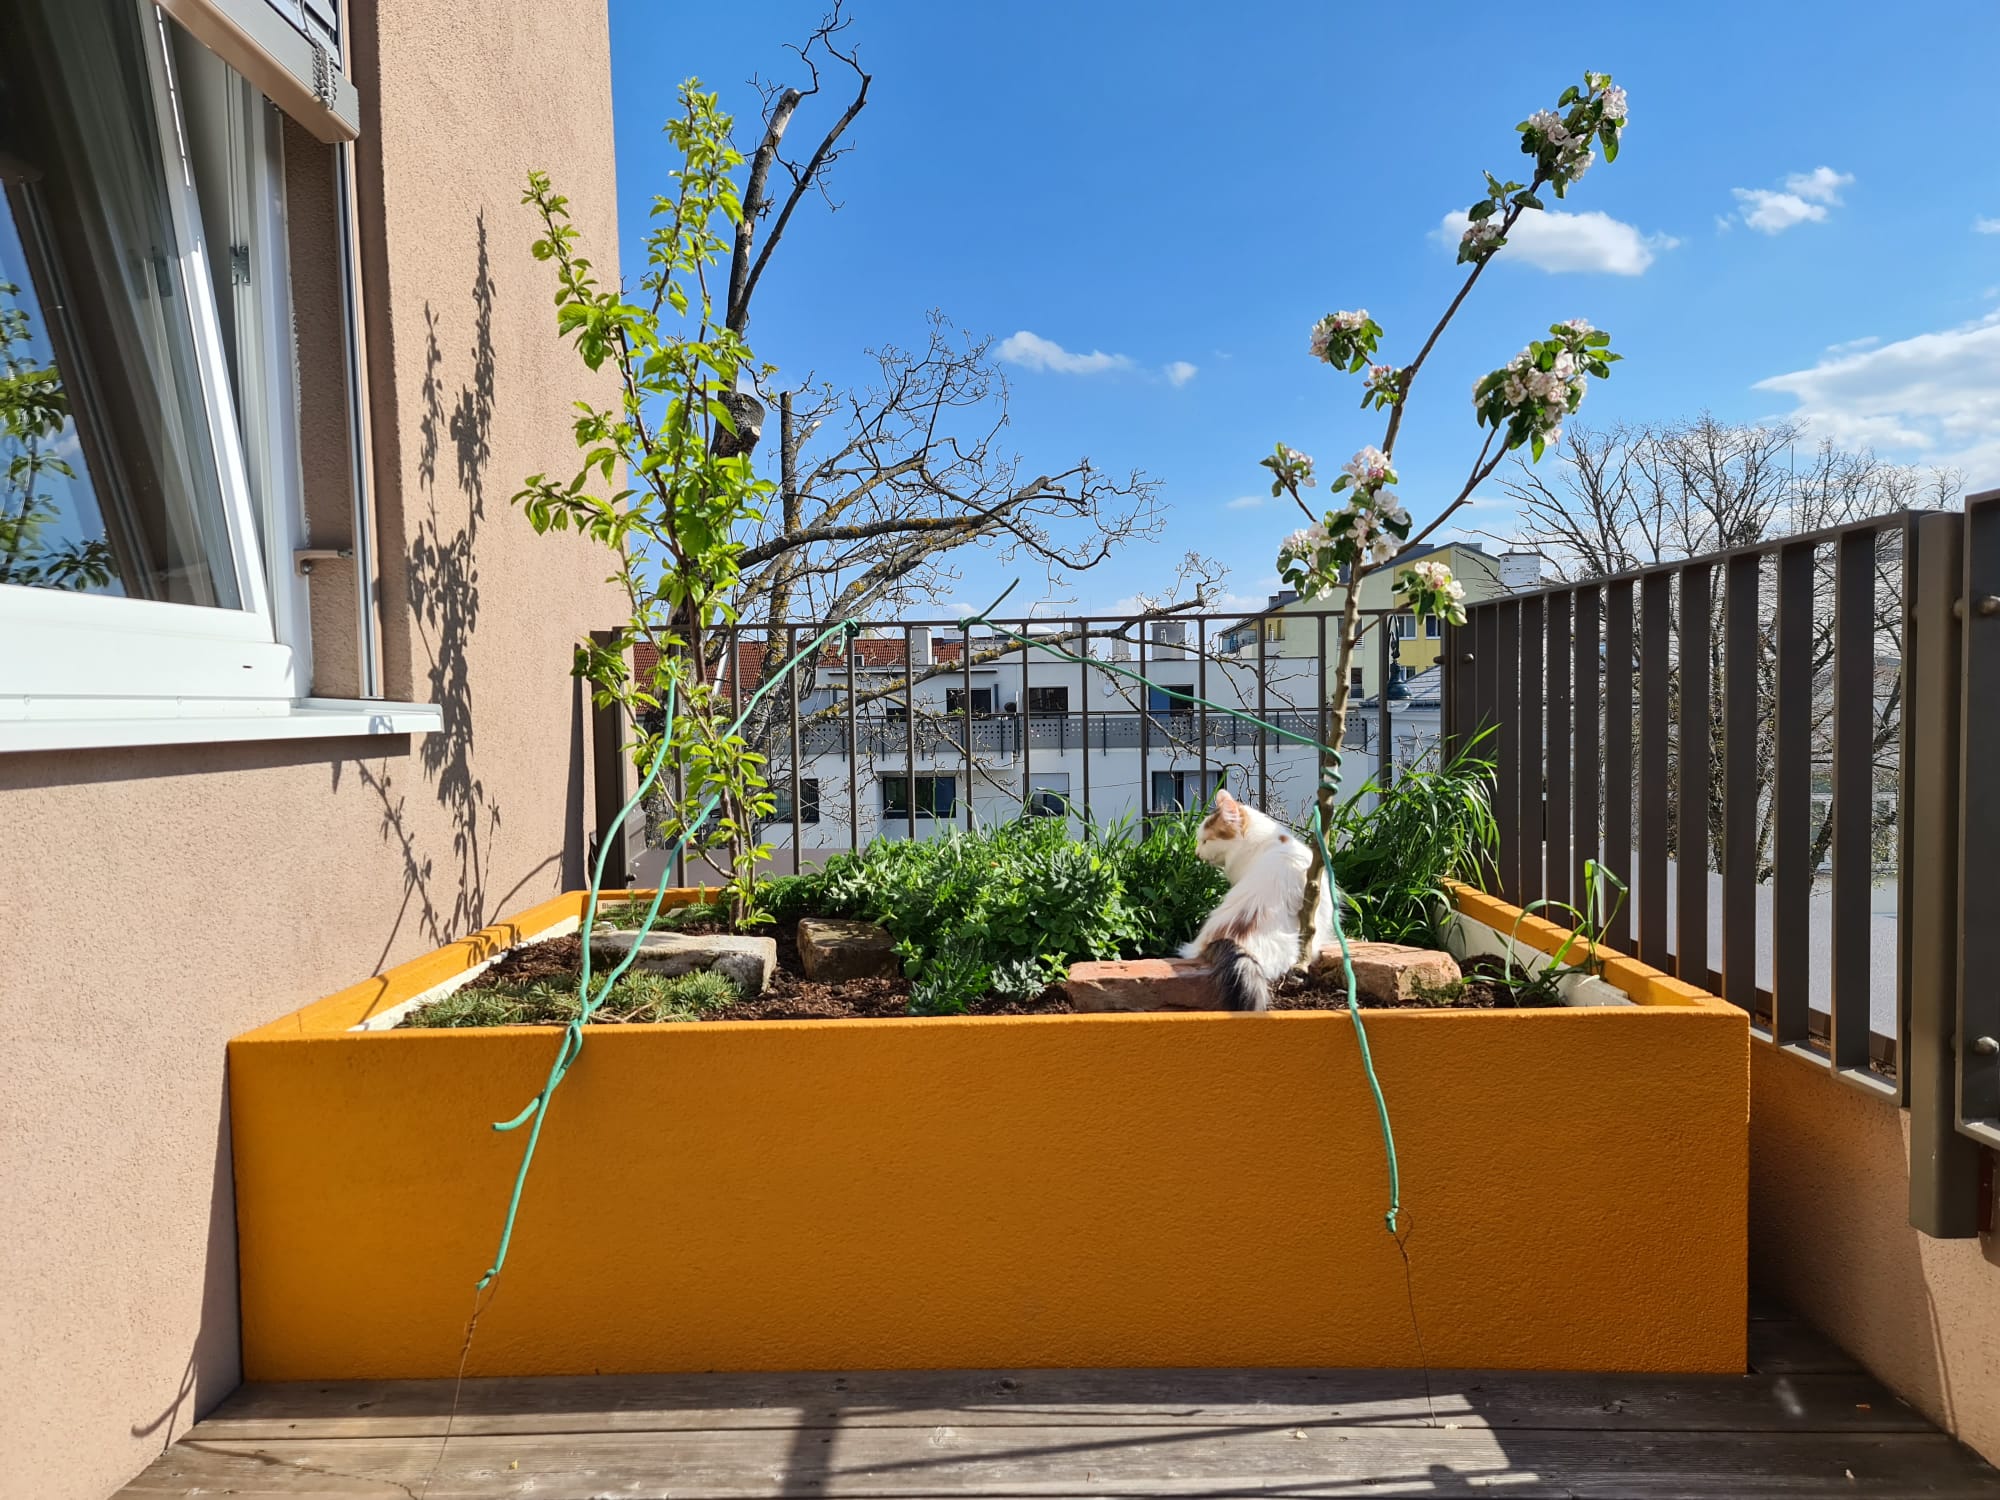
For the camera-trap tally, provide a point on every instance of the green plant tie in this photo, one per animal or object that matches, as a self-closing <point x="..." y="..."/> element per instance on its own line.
<point x="1329" y="781"/>
<point x="537" y="1108"/>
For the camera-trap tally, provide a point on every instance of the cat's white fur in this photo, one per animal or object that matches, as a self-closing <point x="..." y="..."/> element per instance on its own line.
<point x="1252" y="938"/>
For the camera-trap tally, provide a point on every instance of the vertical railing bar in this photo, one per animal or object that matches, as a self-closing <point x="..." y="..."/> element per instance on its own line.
<point x="1027" y="721"/>
<point x="1853" y="794"/>
<point x="1791" y="802"/>
<point x="1201" y="708"/>
<point x="910" y="732"/>
<point x="1507" y="770"/>
<point x="1586" y="746"/>
<point x="1322" y="693"/>
<point x="791" y="690"/>
<point x="965" y="707"/>
<point x="1655" y="601"/>
<point x="1533" y="813"/>
<point x="1485" y="691"/>
<point x="1944" y="1161"/>
<point x="851" y="646"/>
<point x="1384" y="770"/>
<point x="1617" y="845"/>
<point x="1145" y="744"/>
<point x="1264" y="713"/>
<point x="1557" y="860"/>
<point x="1977" y="1110"/>
<point x="1083" y="712"/>
<point x="1696" y="731"/>
<point x="1908" y="744"/>
<point x="1739" y="779"/>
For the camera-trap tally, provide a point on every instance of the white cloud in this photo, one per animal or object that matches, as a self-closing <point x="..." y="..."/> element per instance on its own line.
<point x="1805" y="199"/>
<point x="1854" y="346"/>
<point x="1179" y="372"/>
<point x="1935" y="396"/>
<point x="1983" y="225"/>
<point x="1821" y="184"/>
<point x="1245" y="502"/>
<point x="1556" y="241"/>
<point x="1033" y="352"/>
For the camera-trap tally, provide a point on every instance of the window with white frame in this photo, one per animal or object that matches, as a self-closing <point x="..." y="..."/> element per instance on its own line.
<point x="1048" y="794"/>
<point x="150" y="494"/>
<point x="1433" y="628"/>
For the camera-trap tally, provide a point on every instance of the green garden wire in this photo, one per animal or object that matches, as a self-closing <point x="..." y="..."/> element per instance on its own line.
<point x="572" y="1043"/>
<point x="1329" y="779"/>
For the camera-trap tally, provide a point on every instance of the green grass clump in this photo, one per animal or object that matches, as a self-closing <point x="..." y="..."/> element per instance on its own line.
<point x="1433" y="825"/>
<point x="638" y="996"/>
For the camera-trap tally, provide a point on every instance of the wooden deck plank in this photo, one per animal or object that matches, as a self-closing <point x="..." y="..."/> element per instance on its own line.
<point x="1850" y="1402"/>
<point x="1125" y="1460"/>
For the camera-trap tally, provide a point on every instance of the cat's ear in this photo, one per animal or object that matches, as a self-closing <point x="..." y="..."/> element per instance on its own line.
<point x="1228" y="811"/>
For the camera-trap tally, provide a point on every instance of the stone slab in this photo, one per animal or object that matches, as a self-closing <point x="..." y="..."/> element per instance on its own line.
<point x="746" y="961"/>
<point x="1139" y="984"/>
<point x="1386" y="973"/>
<point x="831" y="949"/>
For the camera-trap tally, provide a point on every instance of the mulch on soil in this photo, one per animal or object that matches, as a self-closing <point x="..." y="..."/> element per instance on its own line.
<point x="789" y="997"/>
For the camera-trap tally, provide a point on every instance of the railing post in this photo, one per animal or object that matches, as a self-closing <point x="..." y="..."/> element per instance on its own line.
<point x="609" y="764"/>
<point x="1978" y="1030"/>
<point x="1944" y="1165"/>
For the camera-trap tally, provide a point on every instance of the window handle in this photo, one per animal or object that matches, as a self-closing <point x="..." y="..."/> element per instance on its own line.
<point x="304" y="558"/>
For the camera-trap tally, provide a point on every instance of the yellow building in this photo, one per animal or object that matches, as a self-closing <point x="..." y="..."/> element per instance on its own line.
<point x="1290" y="628"/>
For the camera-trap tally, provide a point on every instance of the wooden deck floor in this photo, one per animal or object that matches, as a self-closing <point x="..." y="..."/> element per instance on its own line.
<point x="1804" y="1422"/>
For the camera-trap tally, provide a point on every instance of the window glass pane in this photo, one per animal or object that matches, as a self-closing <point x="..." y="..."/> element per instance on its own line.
<point x="111" y="482"/>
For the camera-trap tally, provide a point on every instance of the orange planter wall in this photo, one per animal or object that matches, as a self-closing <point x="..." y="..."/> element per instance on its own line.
<point x="1067" y="1190"/>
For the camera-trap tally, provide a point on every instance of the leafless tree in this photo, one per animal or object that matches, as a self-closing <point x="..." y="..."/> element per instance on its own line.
<point x="1632" y="496"/>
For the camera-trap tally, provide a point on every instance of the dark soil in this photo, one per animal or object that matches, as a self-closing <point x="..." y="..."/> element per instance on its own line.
<point x="1329" y="992"/>
<point x="790" y="996"/>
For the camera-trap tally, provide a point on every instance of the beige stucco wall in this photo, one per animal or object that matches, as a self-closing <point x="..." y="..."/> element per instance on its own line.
<point x="1830" y="1234"/>
<point x="157" y="902"/>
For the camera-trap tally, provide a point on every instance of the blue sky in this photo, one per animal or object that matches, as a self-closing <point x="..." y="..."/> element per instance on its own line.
<point x="1806" y="195"/>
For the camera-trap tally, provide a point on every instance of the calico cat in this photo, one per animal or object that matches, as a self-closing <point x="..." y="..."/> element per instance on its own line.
<point x="1252" y="939"/>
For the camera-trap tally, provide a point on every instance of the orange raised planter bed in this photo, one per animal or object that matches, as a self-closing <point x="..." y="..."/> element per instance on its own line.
<point x="1066" y="1190"/>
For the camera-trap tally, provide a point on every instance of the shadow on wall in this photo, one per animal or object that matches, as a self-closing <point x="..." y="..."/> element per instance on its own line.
<point x="444" y="599"/>
<point x="214" y="1364"/>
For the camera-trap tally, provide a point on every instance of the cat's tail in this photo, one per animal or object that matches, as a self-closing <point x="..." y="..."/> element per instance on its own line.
<point x="1239" y="980"/>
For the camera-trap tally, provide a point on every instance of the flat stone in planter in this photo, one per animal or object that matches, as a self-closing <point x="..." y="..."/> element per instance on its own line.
<point x="1189" y="1189"/>
<point x="746" y="962"/>
<point x="831" y="950"/>
<point x="1142" y="984"/>
<point x="1385" y="973"/>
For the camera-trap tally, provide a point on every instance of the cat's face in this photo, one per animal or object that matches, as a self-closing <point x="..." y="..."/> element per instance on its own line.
<point x="1222" y="830"/>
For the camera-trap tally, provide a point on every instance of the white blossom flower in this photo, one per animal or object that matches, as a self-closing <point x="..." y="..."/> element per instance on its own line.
<point x="1513" y="392"/>
<point x="1392" y="509"/>
<point x="1299" y="465"/>
<point x="1613" y="101"/>
<point x="1554" y="436"/>
<point x="1480" y="237"/>
<point x="1381" y="549"/>
<point x="1580" y="327"/>
<point x="1548" y="122"/>
<point x="1369" y="468"/>
<point x="1323" y="331"/>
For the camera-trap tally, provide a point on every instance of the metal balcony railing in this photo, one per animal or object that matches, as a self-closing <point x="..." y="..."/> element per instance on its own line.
<point x="1786" y="749"/>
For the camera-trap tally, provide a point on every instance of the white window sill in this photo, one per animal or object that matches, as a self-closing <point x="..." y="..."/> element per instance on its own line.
<point x="28" y="723"/>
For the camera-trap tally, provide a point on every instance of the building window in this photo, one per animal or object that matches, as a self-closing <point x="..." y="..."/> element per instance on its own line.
<point x="1048" y="700"/>
<point x="937" y="796"/>
<point x="1161" y="700"/>
<point x="1048" y="794"/>
<point x="1176" y="791"/>
<point x="1354" y="679"/>
<point x="1433" y="628"/>
<point x="982" y="700"/>
<point x="1274" y="628"/>
<point x="808" y="801"/>
<point x="1405" y="626"/>
<point x="150" y="498"/>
